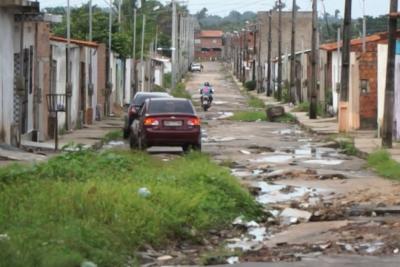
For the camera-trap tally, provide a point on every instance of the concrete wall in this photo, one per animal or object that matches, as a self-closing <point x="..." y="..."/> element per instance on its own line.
<point x="303" y="32"/>
<point x="6" y="74"/>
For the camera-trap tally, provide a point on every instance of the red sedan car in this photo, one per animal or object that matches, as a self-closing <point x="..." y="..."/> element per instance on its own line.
<point x="167" y="122"/>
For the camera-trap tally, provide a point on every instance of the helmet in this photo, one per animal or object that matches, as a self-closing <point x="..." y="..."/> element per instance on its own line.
<point x="206" y="84"/>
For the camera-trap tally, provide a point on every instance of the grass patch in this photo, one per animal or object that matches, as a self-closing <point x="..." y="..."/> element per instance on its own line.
<point x="113" y="135"/>
<point x="286" y="118"/>
<point x="255" y="102"/>
<point x="249" y="116"/>
<point x="85" y="206"/>
<point x="305" y="107"/>
<point x="180" y="91"/>
<point x="384" y="165"/>
<point x="348" y="148"/>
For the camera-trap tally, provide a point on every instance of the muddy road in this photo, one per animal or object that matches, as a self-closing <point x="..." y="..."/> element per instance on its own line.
<point x="324" y="207"/>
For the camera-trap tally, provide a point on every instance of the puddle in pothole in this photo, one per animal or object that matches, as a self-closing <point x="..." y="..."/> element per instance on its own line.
<point x="288" y="132"/>
<point x="252" y="239"/>
<point x="223" y="115"/>
<point x="114" y="144"/>
<point x="330" y="162"/>
<point x="279" y="158"/>
<point x="275" y="193"/>
<point x="220" y="102"/>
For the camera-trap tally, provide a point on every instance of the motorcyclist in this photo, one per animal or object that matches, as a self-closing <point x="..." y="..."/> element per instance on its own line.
<point x="207" y="90"/>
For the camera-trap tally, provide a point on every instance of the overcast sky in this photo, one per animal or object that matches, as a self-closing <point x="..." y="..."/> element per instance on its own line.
<point x="223" y="7"/>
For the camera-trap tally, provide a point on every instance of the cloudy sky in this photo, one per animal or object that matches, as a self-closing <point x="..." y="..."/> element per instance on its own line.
<point x="223" y="7"/>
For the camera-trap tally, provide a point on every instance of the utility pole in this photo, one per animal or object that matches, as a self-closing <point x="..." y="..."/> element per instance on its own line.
<point x="337" y="85"/>
<point x="141" y="54"/>
<point x="279" y="95"/>
<point x="260" y="79"/>
<point x="293" y="95"/>
<point x="109" y="83"/>
<point x="269" y="89"/>
<point x="364" y="46"/>
<point x="314" y="62"/>
<point x="387" y="131"/>
<point x="90" y="86"/>
<point x="68" y="89"/>
<point x="345" y="74"/>
<point x="173" y="48"/>
<point x="134" y="76"/>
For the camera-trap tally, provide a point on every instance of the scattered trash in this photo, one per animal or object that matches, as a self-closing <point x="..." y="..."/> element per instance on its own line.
<point x="165" y="258"/>
<point x="371" y="248"/>
<point x="4" y="237"/>
<point x="232" y="260"/>
<point x="144" y="192"/>
<point x="245" y="152"/>
<point x="88" y="264"/>
<point x="299" y="215"/>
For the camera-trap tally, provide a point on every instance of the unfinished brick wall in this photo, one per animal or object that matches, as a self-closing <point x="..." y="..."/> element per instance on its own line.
<point x="368" y="67"/>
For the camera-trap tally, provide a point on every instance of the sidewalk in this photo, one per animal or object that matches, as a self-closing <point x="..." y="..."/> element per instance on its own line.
<point x="365" y="141"/>
<point x="90" y="136"/>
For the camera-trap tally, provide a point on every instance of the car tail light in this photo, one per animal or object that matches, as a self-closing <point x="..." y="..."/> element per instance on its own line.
<point x="193" y="122"/>
<point x="151" y="122"/>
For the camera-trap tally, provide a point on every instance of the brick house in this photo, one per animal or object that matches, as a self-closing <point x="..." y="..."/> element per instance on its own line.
<point x="364" y="93"/>
<point x="208" y="45"/>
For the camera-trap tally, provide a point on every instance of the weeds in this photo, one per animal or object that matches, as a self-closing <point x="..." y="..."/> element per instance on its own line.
<point x="286" y="118"/>
<point x="305" y="107"/>
<point x="255" y="102"/>
<point x="180" y="91"/>
<point x="348" y="148"/>
<point x="384" y="165"/>
<point x="249" y="116"/>
<point x="113" y="135"/>
<point x="85" y="205"/>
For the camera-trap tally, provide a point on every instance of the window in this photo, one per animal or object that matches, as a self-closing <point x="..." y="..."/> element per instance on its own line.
<point x="170" y="106"/>
<point x="364" y="86"/>
<point x="217" y="49"/>
<point x="197" y="41"/>
<point x="205" y="49"/>
<point x="214" y="41"/>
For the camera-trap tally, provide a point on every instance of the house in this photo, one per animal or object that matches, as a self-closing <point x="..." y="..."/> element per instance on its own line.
<point x="366" y="85"/>
<point x="23" y="68"/>
<point x="208" y="45"/>
<point x="83" y="96"/>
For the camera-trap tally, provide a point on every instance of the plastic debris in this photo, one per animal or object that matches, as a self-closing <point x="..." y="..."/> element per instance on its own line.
<point x="144" y="192"/>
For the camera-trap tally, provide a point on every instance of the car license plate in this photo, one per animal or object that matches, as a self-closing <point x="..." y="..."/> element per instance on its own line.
<point x="173" y="123"/>
<point x="205" y="102"/>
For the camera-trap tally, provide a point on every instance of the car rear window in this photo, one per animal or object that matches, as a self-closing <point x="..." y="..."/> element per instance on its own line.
<point x="170" y="106"/>
<point x="139" y="99"/>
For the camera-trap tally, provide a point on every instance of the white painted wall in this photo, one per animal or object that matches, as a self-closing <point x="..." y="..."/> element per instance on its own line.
<point x="128" y="73"/>
<point x="6" y="73"/>
<point x="336" y="74"/>
<point x="382" y="64"/>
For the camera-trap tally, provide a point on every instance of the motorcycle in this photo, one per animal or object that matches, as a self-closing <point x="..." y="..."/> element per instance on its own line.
<point x="205" y="102"/>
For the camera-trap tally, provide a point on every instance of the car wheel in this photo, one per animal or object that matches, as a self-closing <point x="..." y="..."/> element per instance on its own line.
<point x="142" y="144"/>
<point x="197" y="147"/>
<point x="126" y="127"/>
<point x="133" y="141"/>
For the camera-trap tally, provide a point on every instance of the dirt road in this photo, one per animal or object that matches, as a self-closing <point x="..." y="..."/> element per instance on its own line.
<point x="322" y="204"/>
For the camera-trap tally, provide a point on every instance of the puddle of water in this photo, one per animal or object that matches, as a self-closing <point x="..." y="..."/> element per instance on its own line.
<point x="288" y="132"/>
<point x="272" y="193"/>
<point x="220" y="102"/>
<point x="241" y="173"/>
<point x="223" y="115"/>
<point x="277" y="158"/>
<point x="330" y="162"/>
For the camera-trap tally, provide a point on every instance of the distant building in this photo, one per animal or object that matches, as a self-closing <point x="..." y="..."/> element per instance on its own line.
<point x="208" y="45"/>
